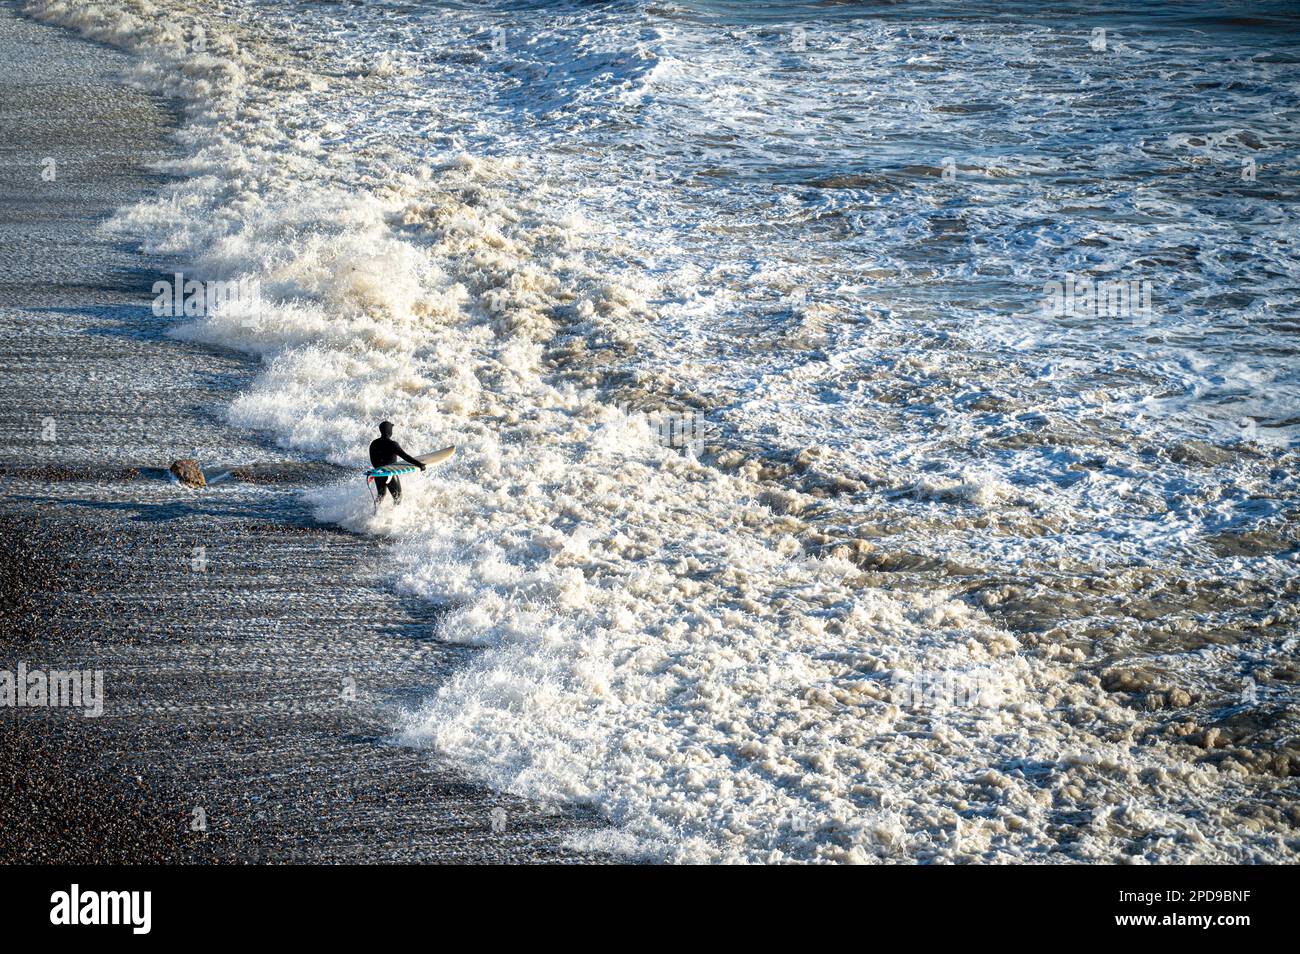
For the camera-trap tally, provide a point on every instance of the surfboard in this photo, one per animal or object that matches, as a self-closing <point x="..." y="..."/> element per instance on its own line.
<point x="438" y="456"/>
<point x="394" y="470"/>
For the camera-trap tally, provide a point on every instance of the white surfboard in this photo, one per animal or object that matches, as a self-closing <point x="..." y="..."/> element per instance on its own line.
<point x="438" y="456"/>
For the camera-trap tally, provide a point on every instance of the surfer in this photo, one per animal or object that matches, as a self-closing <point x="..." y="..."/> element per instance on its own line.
<point x="383" y="452"/>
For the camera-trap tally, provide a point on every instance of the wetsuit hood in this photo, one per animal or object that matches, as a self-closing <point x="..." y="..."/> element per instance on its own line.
<point x="386" y="429"/>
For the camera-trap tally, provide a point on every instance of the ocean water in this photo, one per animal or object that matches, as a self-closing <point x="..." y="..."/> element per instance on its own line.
<point x="798" y="512"/>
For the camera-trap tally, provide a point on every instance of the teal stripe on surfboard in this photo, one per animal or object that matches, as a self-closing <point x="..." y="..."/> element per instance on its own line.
<point x="392" y="471"/>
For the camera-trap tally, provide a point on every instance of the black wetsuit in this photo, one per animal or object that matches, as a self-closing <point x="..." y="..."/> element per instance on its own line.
<point x="384" y="451"/>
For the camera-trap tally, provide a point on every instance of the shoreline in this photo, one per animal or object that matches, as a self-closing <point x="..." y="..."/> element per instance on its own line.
<point x="232" y="629"/>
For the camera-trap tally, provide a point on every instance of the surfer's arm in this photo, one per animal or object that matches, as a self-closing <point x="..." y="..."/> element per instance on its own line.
<point x="407" y="457"/>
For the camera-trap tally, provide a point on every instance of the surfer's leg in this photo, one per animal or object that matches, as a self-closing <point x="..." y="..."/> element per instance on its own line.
<point x="396" y="488"/>
<point x="381" y="488"/>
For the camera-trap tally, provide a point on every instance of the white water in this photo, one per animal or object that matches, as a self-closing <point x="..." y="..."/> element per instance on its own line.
<point x="494" y="247"/>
